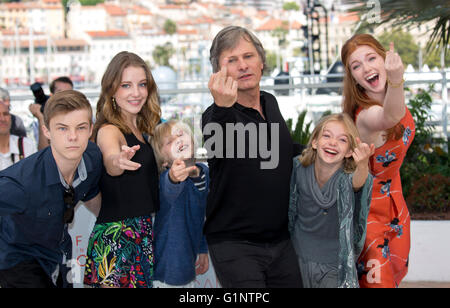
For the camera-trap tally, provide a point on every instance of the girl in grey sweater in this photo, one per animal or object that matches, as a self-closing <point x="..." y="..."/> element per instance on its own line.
<point x="329" y="203"/>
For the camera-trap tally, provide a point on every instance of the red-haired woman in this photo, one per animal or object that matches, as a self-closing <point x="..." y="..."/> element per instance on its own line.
<point x="374" y="98"/>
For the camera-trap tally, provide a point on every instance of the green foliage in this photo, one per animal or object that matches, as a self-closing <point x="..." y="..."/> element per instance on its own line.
<point x="91" y="2"/>
<point x="291" y="6"/>
<point x="289" y="125"/>
<point x="170" y="27"/>
<point x="302" y="133"/>
<point x="271" y="62"/>
<point x="413" y="13"/>
<point x="162" y="54"/>
<point x="82" y="2"/>
<point x="280" y="33"/>
<point x="430" y="193"/>
<point x="419" y="106"/>
<point x="433" y="58"/>
<point x="426" y="165"/>
<point x="404" y="45"/>
<point x="326" y="113"/>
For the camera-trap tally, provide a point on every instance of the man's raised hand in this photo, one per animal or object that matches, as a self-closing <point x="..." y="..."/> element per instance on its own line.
<point x="223" y="88"/>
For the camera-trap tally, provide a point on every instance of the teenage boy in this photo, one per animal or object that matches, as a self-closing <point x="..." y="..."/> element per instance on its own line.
<point x="40" y="192"/>
<point x="12" y="148"/>
<point x="17" y="126"/>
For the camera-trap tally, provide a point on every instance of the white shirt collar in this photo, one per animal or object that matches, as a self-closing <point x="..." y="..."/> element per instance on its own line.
<point x="82" y="175"/>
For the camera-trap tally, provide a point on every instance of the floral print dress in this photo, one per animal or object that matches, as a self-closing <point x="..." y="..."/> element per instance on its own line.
<point x="120" y="254"/>
<point x="384" y="260"/>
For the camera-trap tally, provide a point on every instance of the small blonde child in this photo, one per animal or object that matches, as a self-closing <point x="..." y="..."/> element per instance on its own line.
<point x="181" y="251"/>
<point x="329" y="203"/>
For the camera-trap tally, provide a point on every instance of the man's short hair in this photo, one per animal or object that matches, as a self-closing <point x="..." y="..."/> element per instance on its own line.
<point x="227" y="39"/>
<point x="65" y="102"/>
<point x="4" y="95"/>
<point x="63" y="79"/>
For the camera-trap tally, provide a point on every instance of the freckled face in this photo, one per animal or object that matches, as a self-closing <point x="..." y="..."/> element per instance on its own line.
<point x="368" y="70"/>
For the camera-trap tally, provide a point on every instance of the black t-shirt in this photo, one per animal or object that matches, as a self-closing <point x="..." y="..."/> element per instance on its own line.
<point x="133" y="193"/>
<point x="246" y="201"/>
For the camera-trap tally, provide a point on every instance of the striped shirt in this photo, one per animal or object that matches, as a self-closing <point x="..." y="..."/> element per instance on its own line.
<point x="200" y="181"/>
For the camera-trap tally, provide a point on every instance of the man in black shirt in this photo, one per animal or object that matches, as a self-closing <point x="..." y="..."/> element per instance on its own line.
<point x="250" y="155"/>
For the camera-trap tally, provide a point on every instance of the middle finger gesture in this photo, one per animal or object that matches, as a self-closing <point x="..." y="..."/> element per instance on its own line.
<point x="223" y="88"/>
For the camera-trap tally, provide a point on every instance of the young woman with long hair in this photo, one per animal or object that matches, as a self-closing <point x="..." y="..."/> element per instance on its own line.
<point x="120" y="252"/>
<point x="374" y="98"/>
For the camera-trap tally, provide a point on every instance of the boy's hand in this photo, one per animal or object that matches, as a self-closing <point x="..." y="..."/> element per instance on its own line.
<point x="179" y="172"/>
<point x="202" y="264"/>
<point x="362" y="153"/>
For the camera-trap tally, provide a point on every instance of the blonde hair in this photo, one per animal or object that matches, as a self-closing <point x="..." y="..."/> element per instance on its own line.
<point x="309" y="154"/>
<point x="108" y="112"/>
<point x="161" y="133"/>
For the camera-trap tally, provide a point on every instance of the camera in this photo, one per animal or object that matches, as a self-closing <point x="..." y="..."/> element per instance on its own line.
<point x="39" y="95"/>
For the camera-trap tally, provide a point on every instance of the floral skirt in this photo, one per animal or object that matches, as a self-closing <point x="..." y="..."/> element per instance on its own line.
<point x="120" y="254"/>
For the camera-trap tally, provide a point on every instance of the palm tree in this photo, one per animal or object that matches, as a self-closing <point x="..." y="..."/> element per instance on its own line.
<point x="162" y="53"/>
<point x="412" y="12"/>
<point x="170" y="27"/>
<point x="280" y="33"/>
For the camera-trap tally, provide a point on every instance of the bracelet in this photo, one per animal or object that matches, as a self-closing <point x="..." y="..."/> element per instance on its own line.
<point x="395" y="85"/>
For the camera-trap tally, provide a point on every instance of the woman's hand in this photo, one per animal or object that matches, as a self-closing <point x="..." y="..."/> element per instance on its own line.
<point x="394" y="66"/>
<point x="123" y="160"/>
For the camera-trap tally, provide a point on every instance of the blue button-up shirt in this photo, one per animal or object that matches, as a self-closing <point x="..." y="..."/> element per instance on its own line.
<point x="32" y="207"/>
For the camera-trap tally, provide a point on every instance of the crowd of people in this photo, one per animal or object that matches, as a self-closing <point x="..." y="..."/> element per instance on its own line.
<point x="327" y="214"/>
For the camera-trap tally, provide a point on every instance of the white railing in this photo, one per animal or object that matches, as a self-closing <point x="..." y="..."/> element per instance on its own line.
<point x="303" y="90"/>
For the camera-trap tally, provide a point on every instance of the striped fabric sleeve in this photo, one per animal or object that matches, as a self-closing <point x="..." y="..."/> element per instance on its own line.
<point x="200" y="181"/>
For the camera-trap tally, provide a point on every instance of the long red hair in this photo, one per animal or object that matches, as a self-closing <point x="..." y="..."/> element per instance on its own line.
<point x="354" y="96"/>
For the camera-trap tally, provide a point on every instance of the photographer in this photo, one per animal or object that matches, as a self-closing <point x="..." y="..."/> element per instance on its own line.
<point x="17" y="127"/>
<point x="12" y="148"/>
<point x="59" y="84"/>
